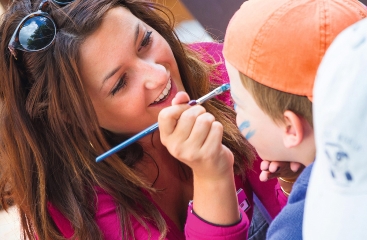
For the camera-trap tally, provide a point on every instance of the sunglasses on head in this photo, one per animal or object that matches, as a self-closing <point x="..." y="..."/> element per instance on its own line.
<point x="36" y="31"/>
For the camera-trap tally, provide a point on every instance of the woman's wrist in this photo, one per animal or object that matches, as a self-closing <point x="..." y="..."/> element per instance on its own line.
<point x="213" y="224"/>
<point x="286" y="185"/>
<point x="285" y="192"/>
<point x="216" y="200"/>
<point x="286" y="180"/>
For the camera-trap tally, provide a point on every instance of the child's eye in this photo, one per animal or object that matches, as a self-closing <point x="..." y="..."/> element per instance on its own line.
<point x="121" y="83"/>
<point x="146" y="40"/>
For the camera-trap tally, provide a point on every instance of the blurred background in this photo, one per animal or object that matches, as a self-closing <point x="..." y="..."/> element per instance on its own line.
<point x="196" y="20"/>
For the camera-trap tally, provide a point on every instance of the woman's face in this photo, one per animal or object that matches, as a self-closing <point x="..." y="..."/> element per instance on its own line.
<point x="129" y="72"/>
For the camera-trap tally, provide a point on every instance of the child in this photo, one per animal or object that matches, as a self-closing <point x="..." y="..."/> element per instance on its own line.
<point x="338" y="181"/>
<point x="272" y="50"/>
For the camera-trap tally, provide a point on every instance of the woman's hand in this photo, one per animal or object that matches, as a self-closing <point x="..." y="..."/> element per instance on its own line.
<point x="193" y="136"/>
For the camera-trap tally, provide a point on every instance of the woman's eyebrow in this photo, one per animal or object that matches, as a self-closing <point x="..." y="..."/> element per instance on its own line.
<point x="136" y="33"/>
<point x="110" y="74"/>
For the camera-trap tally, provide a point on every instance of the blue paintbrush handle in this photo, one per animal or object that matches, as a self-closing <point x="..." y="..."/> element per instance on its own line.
<point x="149" y="130"/>
<point x="127" y="142"/>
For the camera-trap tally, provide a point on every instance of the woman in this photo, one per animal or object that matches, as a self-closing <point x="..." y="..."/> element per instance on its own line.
<point x="103" y="75"/>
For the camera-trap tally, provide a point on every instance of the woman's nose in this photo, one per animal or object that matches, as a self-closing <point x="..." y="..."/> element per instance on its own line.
<point x="155" y="75"/>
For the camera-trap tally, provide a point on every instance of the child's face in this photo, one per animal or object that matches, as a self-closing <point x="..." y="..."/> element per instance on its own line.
<point x="256" y="126"/>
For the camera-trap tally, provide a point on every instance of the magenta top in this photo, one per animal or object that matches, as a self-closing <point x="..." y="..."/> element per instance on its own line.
<point x="268" y="193"/>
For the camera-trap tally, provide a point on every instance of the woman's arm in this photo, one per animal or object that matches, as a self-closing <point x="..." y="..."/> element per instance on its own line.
<point x="194" y="137"/>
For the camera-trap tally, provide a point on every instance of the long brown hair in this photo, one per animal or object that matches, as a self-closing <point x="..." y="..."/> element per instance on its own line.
<point x="50" y="135"/>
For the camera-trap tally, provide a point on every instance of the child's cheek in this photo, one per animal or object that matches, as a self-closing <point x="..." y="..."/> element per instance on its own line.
<point x="242" y="122"/>
<point x="244" y="126"/>
<point x="235" y="108"/>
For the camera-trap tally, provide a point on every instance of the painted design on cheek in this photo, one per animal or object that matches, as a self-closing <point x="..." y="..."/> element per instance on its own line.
<point x="245" y="124"/>
<point x="235" y="107"/>
<point x="250" y="134"/>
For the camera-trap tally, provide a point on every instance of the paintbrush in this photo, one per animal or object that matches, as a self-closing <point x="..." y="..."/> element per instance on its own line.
<point x="149" y="130"/>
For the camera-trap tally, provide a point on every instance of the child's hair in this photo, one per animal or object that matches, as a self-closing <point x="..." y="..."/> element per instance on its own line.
<point x="274" y="102"/>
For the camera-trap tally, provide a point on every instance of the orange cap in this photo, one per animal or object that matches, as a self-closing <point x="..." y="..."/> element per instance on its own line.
<point x="280" y="43"/>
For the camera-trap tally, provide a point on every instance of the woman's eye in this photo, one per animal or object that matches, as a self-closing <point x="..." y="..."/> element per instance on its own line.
<point x="121" y="83"/>
<point x="146" y="40"/>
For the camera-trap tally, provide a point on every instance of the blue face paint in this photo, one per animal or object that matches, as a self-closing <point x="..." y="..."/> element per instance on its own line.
<point x="235" y="106"/>
<point x="244" y="125"/>
<point x="250" y="134"/>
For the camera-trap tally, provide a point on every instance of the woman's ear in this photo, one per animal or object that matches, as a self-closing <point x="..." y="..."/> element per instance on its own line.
<point x="293" y="129"/>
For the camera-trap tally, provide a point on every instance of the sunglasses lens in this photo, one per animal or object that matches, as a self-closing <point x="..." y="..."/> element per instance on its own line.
<point x="63" y="2"/>
<point x="37" y="33"/>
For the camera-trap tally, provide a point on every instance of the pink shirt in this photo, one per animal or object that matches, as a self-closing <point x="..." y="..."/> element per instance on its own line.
<point x="268" y="193"/>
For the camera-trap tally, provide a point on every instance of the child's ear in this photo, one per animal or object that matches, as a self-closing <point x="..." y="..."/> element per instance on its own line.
<point x="293" y="129"/>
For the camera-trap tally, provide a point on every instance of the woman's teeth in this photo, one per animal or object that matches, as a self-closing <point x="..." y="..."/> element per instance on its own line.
<point x="164" y="93"/>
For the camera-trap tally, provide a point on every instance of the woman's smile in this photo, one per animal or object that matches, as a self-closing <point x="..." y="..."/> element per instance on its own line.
<point x="168" y="93"/>
<point x="165" y="92"/>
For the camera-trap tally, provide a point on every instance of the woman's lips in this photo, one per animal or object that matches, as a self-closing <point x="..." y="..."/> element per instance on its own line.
<point x="164" y="93"/>
<point x="168" y="94"/>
